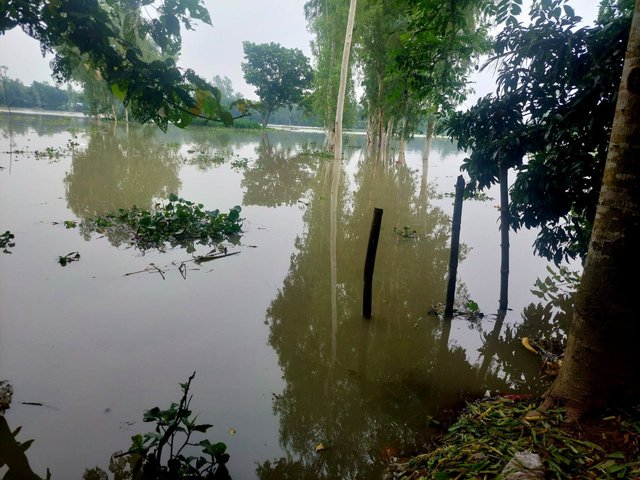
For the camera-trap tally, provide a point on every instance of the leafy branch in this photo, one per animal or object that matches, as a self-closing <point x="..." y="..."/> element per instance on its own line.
<point x="174" y="428"/>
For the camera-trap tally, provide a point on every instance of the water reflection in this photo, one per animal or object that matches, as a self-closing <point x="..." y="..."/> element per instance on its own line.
<point x="42" y="125"/>
<point x="118" y="170"/>
<point x="548" y="324"/>
<point x="364" y="389"/>
<point x="281" y="174"/>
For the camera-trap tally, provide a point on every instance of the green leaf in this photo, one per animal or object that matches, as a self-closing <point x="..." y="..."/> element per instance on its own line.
<point x="214" y="449"/>
<point x="201" y="428"/>
<point x="118" y="92"/>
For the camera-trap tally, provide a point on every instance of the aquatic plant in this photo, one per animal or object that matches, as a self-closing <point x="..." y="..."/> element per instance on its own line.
<point x="178" y="222"/>
<point x="6" y="241"/>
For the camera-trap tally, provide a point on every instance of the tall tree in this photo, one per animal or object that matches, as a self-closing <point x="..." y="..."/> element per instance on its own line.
<point x="380" y="25"/>
<point x="344" y="71"/>
<point x="441" y="45"/>
<point x="327" y="20"/>
<point x="601" y="364"/>
<point x="282" y="76"/>
<point x="156" y="90"/>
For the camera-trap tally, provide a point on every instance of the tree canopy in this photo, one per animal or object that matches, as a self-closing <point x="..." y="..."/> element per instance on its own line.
<point x="89" y="32"/>
<point x="282" y="76"/>
<point x="550" y="119"/>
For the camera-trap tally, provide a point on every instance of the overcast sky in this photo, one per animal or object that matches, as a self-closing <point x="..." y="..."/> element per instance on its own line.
<point x="217" y="50"/>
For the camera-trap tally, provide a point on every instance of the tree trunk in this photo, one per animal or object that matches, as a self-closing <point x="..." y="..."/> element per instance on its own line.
<point x="601" y="364"/>
<point x="504" y="237"/>
<point x="428" y="137"/>
<point x="329" y="136"/>
<point x="344" y="70"/>
<point x="265" y="118"/>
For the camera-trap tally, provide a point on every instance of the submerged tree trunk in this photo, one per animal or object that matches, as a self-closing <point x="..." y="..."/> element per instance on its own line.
<point x="428" y="138"/>
<point x="601" y="364"/>
<point x="344" y="70"/>
<point x="329" y="139"/>
<point x="402" y="143"/>
<point x="504" y="237"/>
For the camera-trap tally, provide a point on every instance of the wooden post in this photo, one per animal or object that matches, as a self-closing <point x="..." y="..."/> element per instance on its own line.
<point x="455" y="247"/>
<point x="370" y="261"/>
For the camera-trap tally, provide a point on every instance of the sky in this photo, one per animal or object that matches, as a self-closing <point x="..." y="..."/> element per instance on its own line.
<point x="218" y="50"/>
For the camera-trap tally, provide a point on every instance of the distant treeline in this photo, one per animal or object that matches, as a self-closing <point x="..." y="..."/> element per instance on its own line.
<point x="16" y="94"/>
<point x="42" y="95"/>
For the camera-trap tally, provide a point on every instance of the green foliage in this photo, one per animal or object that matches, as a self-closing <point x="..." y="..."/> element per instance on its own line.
<point x="550" y="119"/>
<point x="38" y="95"/>
<point x="6" y="241"/>
<point x="178" y="222"/>
<point x="327" y="20"/>
<point x="174" y="429"/>
<point x="91" y="31"/>
<point x="438" y="49"/>
<point x="282" y="76"/>
<point x="406" y="232"/>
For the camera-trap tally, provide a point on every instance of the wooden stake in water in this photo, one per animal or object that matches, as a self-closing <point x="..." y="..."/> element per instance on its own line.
<point x="455" y="247"/>
<point x="370" y="261"/>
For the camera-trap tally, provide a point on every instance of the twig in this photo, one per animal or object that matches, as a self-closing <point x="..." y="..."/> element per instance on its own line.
<point x="208" y="258"/>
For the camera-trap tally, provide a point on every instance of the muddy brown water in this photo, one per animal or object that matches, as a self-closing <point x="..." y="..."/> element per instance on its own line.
<point x="283" y="359"/>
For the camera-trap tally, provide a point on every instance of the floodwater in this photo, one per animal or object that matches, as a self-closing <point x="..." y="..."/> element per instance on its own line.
<point x="284" y="360"/>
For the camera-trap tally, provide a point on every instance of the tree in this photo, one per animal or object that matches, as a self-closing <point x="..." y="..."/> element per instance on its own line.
<point x="227" y="94"/>
<point x="562" y="81"/>
<point x="342" y="89"/>
<point x="327" y="20"/>
<point x="156" y="90"/>
<point x="601" y="364"/>
<point x="440" y="47"/>
<point x="282" y="76"/>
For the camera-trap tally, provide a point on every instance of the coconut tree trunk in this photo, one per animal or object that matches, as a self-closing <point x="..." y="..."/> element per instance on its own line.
<point x="344" y="70"/>
<point x="601" y="364"/>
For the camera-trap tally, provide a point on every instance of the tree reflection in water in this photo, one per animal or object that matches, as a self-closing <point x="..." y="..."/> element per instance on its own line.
<point x="364" y="389"/>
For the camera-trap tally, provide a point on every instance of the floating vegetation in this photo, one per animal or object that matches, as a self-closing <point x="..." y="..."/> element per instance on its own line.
<point x="470" y="310"/>
<point x="207" y="156"/>
<point x="178" y="223"/>
<point x="406" y="232"/>
<point x="316" y="153"/>
<point x="68" y="258"/>
<point x="6" y="241"/>
<point x="240" y="163"/>
<point x="479" y="196"/>
<point x="68" y="224"/>
<point x="490" y="433"/>
<point x="50" y="153"/>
